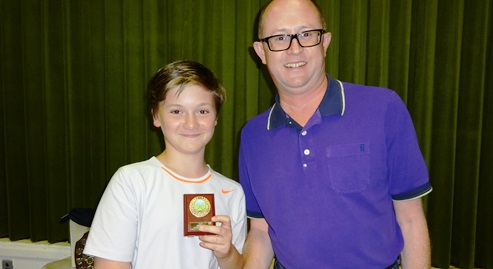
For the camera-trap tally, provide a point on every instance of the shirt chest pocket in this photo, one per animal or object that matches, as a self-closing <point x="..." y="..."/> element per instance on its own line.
<point x="349" y="167"/>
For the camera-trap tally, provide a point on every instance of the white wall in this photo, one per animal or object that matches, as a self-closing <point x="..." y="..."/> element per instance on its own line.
<point x="27" y="255"/>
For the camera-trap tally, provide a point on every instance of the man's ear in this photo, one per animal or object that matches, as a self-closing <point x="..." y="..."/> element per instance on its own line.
<point x="258" y="46"/>
<point x="327" y="37"/>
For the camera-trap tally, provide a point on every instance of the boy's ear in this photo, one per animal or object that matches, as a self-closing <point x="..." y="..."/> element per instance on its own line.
<point x="156" y="120"/>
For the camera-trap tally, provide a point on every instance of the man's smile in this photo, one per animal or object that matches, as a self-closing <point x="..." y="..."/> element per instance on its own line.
<point x="295" y="65"/>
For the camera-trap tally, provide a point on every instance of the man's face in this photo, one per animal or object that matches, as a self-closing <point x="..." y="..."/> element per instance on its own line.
<point x="298" y="69"/>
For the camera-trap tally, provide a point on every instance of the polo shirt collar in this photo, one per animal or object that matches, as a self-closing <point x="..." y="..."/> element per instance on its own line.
<point x="332" y="103"/>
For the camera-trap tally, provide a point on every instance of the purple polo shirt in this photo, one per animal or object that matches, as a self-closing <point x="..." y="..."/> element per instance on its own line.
<point x="326" y="189"/>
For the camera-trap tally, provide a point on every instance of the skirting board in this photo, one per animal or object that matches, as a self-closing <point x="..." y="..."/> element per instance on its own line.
<point x="26" y="255"/>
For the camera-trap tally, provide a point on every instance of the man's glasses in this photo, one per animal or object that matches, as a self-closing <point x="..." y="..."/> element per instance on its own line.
<point x="305" y="39"/>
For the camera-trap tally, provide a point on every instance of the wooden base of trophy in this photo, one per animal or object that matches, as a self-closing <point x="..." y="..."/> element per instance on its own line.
<point x="198" y="210"/>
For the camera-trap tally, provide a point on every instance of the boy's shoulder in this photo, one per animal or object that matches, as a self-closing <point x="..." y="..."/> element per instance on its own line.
<point x="225" y="180"/>
<point x="139" y="168"/>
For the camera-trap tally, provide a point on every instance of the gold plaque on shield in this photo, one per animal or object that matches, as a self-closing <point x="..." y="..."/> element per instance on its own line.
<point x="198" y="210"/>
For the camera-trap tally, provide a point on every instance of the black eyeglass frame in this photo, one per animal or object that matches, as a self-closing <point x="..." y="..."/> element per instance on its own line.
<point x="295" y="36"/>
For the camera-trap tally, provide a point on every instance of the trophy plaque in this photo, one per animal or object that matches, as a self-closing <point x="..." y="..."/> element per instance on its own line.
<point x="198" y="210"/>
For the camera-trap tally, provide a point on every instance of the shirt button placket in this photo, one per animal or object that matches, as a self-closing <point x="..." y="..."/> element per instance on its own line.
<point x="306" y="152"/>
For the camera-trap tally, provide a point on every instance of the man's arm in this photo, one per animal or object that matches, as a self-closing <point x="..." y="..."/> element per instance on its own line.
<point x="100" y="263"/>
<point x="257" y="252"/>
<point x="412" y="221"/>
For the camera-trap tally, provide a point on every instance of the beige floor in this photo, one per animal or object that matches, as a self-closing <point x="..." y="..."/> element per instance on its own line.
<point x="61" y="264"/>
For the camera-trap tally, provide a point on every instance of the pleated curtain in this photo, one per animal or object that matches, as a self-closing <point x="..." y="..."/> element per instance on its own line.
<point x="73" y="77"/>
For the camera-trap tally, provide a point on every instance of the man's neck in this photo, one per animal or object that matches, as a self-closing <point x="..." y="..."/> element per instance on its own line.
<point x="302" y="107"/>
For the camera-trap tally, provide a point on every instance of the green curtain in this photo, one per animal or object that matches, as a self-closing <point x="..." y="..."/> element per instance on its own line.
<point x="73" y="76"/>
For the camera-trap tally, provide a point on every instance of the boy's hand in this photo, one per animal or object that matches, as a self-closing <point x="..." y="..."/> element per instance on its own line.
<point x="220" y="241"/>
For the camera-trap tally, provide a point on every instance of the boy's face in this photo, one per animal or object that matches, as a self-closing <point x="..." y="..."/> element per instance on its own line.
<point x="187" y="120"/>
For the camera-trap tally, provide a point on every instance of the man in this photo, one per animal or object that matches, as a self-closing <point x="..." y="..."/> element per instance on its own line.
<point x="332" y="172"/>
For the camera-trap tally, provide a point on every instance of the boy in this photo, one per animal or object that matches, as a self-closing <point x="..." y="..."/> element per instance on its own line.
<point x="139" y="221"/>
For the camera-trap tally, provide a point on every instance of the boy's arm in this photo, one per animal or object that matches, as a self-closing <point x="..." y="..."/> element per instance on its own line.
<point x="100" y="263"/>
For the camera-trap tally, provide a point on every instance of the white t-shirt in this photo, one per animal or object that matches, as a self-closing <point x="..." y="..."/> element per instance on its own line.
<point x="140" y="217"/>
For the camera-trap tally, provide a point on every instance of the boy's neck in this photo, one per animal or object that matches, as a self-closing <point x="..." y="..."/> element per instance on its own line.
<point x="187" y="166"/>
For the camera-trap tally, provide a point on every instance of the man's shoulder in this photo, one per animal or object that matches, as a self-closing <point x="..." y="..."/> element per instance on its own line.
<point x="259" y="120"/>
<point x="349" y="86"/>
<point x="368" y="92"/>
